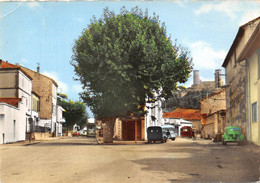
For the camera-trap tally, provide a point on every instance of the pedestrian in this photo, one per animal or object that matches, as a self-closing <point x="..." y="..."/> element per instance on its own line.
<point x="168" y="134"/>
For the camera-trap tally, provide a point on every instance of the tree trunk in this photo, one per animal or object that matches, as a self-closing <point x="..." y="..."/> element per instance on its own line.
<point x="108" y="132"/>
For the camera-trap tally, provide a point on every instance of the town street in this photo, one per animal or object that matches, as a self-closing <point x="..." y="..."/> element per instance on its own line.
<point x="82" y="160"/>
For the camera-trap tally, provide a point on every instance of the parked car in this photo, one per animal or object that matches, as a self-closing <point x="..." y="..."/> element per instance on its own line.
<point x="84" y="133"/>
<point x="168" y="131"/>
<point x="155" y="133"/>
<point x="75" y="134"/>
<point x="91" y="132"/>
<point x="187" y="131"/>
<point x="232" y="134"/>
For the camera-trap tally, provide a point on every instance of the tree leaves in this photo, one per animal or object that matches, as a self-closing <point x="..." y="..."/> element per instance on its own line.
<point x="122" y="59"/>
<point x="75" y="113"/>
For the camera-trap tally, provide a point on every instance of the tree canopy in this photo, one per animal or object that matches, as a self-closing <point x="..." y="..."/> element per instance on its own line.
<point x="121" y="60"/>
<point x="75" y="112"/>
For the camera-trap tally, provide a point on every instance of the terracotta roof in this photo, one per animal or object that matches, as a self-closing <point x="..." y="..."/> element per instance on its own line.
<point x="11" y="101"/>
<point x="236" y="41"/>
<point x="187" y="114"/>
<point x="4" y="65"/>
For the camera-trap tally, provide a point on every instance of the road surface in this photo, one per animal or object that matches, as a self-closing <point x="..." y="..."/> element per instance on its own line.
<point x="82" y="160"/>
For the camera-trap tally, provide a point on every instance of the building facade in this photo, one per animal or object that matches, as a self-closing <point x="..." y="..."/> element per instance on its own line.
<point x="190" y="115"/>
<point x="15" y="103"/>
<point x="213" y="114"/>
<point x="46" y="89"/>
<point x="129" y="129"/>
<point x="250" y="55"/>
<point x="28" y="104"/>
<point x="237" y="90"/>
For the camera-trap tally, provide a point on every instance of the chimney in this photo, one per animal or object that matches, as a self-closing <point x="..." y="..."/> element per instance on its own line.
<point x="196" y="77"/>
<point x="218" y="78"/>
<point x="38" y="67"/>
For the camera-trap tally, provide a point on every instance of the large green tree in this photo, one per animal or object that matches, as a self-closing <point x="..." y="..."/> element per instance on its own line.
<point x="121" y="60"/>
<point x="75" y="112"/>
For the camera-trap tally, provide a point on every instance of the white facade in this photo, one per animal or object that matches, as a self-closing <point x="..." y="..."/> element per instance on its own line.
<point x="12" y="123"/>
<point x="13" y="119"/>
<point x="154" y="117"/>
<point x="178" y="123"/>
<point x="54" y="108"/>
<point x="60" y="121"/>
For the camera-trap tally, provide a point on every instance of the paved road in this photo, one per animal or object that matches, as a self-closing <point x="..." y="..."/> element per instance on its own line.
<point x="82" y="160"/>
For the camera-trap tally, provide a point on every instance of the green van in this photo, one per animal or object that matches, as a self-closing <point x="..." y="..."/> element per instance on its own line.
<point x="232" y="134"/>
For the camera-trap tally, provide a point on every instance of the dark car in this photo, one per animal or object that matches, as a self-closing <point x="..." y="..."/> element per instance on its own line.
<point x="155" y="133"/>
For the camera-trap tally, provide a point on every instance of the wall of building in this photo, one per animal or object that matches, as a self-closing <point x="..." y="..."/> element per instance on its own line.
<point x="25" y="91"/>
<point x="43" y="86"/>
<point x="236" y="94"/>
<point x="214" y="103"/>
<point x="254" y="89"/>
<point x="8" y="82"/>
<point x="12" y="123"/>
<point x="208" y="131"/>
<point x="118" y="130"/>
<point x="236" y="79"/>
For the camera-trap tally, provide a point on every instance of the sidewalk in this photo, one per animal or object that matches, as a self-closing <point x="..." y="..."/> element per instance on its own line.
<point x="27" y="143"/>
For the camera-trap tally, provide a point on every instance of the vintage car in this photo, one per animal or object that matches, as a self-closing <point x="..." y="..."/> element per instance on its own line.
<point x="233" y="134"/>
<point x="75" y="134"/>
<point x="84" y="133"/>
<point x="155" y="133"/>
<point x="170" y="130"/>
<point x="187" y="131"/>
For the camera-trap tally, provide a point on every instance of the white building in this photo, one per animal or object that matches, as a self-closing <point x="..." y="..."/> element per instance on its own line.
<point x="28" y="103"/>
<point x="154" y="116"/>
<point x="60" y="120"/>
<point x="178" y="123"/>
<point x="15" y="104"/>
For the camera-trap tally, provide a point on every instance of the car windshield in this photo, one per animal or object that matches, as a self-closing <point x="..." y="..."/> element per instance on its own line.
<point x="234" y="129"/>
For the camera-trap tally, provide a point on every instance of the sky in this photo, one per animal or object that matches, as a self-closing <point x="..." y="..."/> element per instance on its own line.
<point x="44" y="33"/>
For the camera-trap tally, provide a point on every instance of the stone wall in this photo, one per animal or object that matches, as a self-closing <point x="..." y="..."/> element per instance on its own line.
<point x="42" y="85"/>
<point x="236" y="95"/>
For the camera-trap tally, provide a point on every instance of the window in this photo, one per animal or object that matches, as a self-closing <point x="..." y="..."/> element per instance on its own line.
<point x="254" y="112"/>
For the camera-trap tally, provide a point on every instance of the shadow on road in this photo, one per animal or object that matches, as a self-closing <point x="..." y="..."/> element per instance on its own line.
<point x="65" y="144"/>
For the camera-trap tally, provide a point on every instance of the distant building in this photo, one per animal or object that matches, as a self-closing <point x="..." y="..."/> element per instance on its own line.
<point x="177" y="123"/>
<point x="191" y="115"/>
<point x="213" y="114"/>
<point x="190" y="98"/>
